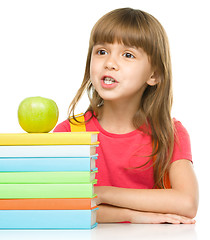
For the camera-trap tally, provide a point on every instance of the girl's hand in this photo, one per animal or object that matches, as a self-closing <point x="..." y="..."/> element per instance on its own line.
<point x="147" y="217"/>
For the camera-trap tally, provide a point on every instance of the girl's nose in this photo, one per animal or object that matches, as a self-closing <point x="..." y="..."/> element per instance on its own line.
<point x="111" y="64"/>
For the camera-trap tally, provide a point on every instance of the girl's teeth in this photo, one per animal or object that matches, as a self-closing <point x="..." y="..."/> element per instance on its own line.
<point x="108" y="80"/>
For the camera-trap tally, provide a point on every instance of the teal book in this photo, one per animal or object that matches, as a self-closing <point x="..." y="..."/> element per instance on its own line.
<point x="74" y="190"/>
<point x="47" y="177"/>
<point x="48" y="151"/>
<point x="48" y="219"/>
<point x="44" y="164"/>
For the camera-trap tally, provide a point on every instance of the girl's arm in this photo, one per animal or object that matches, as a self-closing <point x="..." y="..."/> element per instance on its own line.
<point x="107" y="213"/>
<point x="181" y="199"/>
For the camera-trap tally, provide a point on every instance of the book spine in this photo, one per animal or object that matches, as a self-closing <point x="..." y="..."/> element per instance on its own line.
<point x="47" y="177"/>
<point x="47" y="164"/>
<point x="8" y="139"/>
<point x="83" y="190"/>
<point x="47" y="219"/>
<point x="48" y="204"/>
<point x="48" y="151"/>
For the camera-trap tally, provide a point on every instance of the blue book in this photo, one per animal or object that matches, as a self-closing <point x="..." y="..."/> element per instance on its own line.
<point x="48" y="151"/>
<point x="48" y="164"/>
<point x="48" y="219"/>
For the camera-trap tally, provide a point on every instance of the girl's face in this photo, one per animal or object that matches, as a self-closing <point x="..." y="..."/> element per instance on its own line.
<point x="119" y="72"/>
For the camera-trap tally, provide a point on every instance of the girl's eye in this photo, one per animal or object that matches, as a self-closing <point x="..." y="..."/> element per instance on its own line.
<point x="102" y="52"/>
<point x="128" y="55"/>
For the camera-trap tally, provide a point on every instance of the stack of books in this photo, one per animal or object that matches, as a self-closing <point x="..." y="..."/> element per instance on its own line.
<point x="47" y="180"/>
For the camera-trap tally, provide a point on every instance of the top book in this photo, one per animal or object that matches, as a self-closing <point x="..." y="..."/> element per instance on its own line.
<point x="57" y="138"/>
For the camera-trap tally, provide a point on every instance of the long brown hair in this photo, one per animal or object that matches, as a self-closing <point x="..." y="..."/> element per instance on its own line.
<point x="140" y="29"/>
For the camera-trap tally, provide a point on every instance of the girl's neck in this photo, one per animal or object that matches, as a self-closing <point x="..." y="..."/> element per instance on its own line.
<point x="117" y="118"/>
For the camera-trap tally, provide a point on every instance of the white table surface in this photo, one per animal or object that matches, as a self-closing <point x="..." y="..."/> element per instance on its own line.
<point x="115" y="231"/>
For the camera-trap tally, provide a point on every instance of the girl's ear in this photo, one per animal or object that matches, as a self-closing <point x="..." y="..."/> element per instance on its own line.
<point x="154" y="79"/>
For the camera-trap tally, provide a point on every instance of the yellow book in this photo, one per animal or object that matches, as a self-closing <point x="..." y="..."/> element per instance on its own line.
<point x="57" y="138"/>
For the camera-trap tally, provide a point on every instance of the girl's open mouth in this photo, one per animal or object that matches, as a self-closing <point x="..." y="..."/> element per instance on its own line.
<point x="108" y="82"/>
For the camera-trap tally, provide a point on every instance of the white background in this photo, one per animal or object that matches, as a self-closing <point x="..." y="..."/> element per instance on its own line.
<point x="43" y="47"/>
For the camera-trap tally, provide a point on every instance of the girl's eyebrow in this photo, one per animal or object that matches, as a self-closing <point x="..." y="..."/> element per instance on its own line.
<point x="138" y="49"/>
<point x="133" y="47"/>
<point x="129" y="46"/>
<point x="98" y="44"/>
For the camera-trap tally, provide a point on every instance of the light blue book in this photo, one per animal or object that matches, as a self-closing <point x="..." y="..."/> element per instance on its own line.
<point x="47" y="164"/>
<point x="48" y="151"/>
<point x="48" y="219"/>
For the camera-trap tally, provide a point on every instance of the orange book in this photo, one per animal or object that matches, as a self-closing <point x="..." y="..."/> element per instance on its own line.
<point x="48" y="204"/>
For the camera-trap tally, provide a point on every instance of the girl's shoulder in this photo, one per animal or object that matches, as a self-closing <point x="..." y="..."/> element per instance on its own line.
<point x="182" y="145"/>
<point x="63" y="127"/>
<point x="179" y="128"/>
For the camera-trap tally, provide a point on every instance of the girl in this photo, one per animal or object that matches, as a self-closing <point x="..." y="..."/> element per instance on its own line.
<point x="145" y="163"/>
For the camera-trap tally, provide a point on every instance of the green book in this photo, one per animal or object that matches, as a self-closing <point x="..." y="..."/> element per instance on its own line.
<point x="76" y="190"/>
<point x="47" y="177"/>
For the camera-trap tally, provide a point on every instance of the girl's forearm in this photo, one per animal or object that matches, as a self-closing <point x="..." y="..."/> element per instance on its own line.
<point x="150" y="200"/>
<point x="112" y="214"/>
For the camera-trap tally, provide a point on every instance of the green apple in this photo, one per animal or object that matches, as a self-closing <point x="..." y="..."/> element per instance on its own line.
<point x="37" y="114"/>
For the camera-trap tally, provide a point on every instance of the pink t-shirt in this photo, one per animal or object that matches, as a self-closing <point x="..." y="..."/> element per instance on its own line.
<point x="120" y="154"/>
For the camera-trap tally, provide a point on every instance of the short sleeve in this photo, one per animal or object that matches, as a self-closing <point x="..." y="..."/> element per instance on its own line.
<point x="63" y="127"/>
<point x="182" y="145"/>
